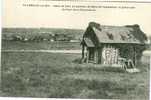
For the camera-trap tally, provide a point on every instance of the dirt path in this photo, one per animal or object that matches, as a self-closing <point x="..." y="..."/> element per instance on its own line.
<point x="147" y="52"/>
<point x="49" y="51"/>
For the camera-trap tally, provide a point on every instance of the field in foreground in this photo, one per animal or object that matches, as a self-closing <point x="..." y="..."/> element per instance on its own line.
<point x="61" y="76"/>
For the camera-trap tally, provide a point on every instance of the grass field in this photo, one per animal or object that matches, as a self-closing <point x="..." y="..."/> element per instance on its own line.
<point x="61" y="76"/>
<point x="43" y="45"/>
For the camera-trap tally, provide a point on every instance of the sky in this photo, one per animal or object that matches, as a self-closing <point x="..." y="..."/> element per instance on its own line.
<point x="14" y="14"/>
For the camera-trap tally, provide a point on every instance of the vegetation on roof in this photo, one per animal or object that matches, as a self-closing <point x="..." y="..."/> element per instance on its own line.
<point x="123" y="34"/>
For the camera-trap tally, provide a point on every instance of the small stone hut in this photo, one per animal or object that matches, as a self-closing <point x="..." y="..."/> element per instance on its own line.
<point x="102" y="44"/>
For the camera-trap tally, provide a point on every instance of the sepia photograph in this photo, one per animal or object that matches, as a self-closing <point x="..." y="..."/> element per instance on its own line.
<point x="76" y="50"/>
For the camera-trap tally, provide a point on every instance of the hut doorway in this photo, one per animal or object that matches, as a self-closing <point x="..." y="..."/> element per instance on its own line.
<point x="91" y="54"/>
<point x="110" y="55"/>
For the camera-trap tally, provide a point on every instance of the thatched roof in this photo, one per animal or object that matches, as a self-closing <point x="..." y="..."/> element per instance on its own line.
<point x="117" y="34"/>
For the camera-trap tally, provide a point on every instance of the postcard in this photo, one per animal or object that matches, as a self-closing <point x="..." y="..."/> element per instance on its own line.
<point x="77" y="49"/>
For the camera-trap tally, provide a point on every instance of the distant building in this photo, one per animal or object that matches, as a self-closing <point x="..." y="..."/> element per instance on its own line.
<point x="111" y="45"/>
<point x="61" y="37"/>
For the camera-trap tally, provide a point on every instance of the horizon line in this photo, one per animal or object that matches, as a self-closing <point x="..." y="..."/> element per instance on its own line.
<point x="45" y="27"/>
